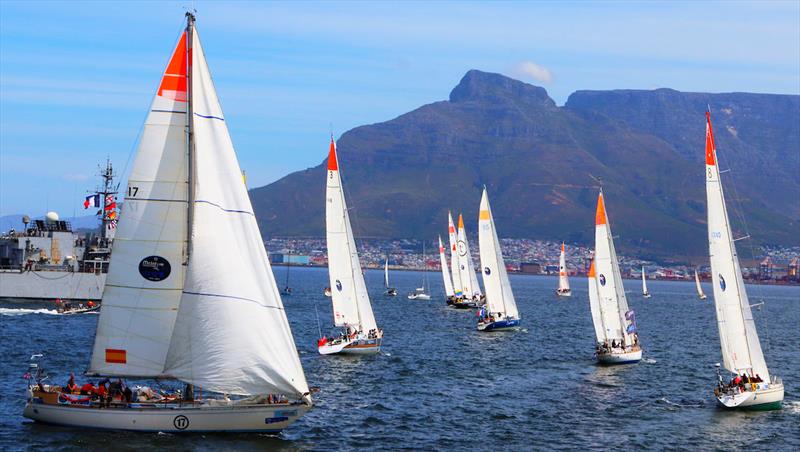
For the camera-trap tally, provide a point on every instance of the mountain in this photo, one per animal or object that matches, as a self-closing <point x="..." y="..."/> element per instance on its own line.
<point x="541" y="163"/>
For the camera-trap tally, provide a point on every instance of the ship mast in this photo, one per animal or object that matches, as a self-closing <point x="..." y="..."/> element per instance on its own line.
<point x="190" y="130"/>
<point x="106" y="192"/>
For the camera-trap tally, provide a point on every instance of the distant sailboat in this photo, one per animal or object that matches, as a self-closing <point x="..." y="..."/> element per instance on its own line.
<point x="563" y="283"/>
<point x="420" y="293"/>
<point x="500" y="311"/>
<point x="455" y="272"/>
<point x="700" y="293"/>
<point x="448" y="283"/>
<point x="352" y="310"/>
<point x="190" y="293"/>
<point x="619" y="342"/>
<point x="286" y="289"/>
<point x="752" y="386"/>
<point x="645" y="292"/>
<point x="390" y="291"/>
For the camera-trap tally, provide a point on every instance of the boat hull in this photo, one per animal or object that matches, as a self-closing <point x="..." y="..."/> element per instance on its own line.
<point x="255" y="418"/>
<point x="620" y="358"/>
<point x="499" y="325"/>
<point x="360" y="347"/>
<point x="564" y="293"/>
<point x="769" y="398"/>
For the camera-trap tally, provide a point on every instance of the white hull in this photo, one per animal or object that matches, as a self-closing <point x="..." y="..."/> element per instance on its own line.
<point x="620" y="357"/>
<point x="51" y="285"/>
<point x="370" y="347"/>
<point x="420" y="296"/>
<point x="203" y="418"/>
<point x="564" y="293"/>
<point x="646" y="295"/>
<point x="771" y="395"/>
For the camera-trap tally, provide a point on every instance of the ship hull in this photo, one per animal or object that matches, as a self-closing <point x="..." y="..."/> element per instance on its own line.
<point x="49" y="285"/>
<point x="256" y="418"/>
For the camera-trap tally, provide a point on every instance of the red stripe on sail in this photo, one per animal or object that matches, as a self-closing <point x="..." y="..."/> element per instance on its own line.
<point x="174" y="83"/>
<point x="333" y="165"/>
<point x="710" y="147"/>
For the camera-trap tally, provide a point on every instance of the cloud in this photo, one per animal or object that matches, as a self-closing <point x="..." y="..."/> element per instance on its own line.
<point x="531" y="70"/>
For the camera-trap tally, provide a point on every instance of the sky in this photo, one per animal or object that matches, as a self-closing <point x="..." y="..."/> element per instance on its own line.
<point x="77" y="78"/>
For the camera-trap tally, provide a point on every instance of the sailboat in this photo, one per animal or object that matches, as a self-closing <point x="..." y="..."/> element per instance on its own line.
<point x="455" y="273"/>
<point x="700" y="293"/>
<point x="563" y="283"/>
<point x="500" y="311"/>
<point x="190" y="294"/>
<point x="752" y="385"/>
<point x="390" y="291"/>
<point x="619" y="341"/>
<point x="352" y="310"/>
<point x="449" y="294"/>
<point x="419" y="293"/>
<point x="286" y="289"/>
<point x="466" y="268"/>
<point x="645" y="292"/>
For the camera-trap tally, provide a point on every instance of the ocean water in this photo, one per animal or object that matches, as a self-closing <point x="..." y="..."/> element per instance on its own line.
<point x="439" y="384"/>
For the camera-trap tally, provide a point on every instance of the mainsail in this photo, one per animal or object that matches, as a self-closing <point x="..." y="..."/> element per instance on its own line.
<point x="563" y="282"/>
<point x="697" y="284"/>
<point x="455" y="271"/>
<point x="741" y="349"/>
<point x="448" y="283"/>
<point x="351" y="306"/>
<point x="499" y="297"/>
<point x="386" y="273"/>
<point x="644" y="282"/>
<point x="469" y="280"/>
<point x="611" y="293"/>
<point x="223" y="315"/>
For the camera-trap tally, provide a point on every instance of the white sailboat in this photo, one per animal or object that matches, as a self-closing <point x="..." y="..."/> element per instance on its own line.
<point x="390" y="291"/>
<point x="419" y="293"/>
<point x="752" y="385"/>
<point x="645" y="292"/>
<point x="466" y="267"/>
<point x="563" y="283"/>
<point x="500" y="311"/>
<point x="352" y="310"/>
<point x="700" y="293"/>
<point x="619" y="342"/>
<point x="448" y="283"/>
<point x="455" y="272"/>
<point x="190" y="294"/>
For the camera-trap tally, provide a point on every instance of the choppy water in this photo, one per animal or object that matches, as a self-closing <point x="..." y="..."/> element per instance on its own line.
<point x="442" y="385"/>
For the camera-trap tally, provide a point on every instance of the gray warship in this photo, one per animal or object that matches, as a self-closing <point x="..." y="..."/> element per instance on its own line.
<point x="47" y="260"/>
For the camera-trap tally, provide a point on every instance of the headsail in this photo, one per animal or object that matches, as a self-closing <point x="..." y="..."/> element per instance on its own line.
<point x="448" y="283"/>
<point x="741" y="348"/>
<point x="146" y="272"/>
<point x="351" y="306"/>
<point x="613" y="304"/>
<point x="697" y="284"/>
<point x="455" y="271"/>
<point x="563" y="282"/>
<point x="594" y="305"/>
<point x="499" y="297"/>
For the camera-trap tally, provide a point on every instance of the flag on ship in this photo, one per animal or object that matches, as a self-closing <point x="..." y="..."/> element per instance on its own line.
<point x="91" y="201"/>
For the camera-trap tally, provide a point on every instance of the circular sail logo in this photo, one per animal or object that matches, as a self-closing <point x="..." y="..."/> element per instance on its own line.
<point x="602" y="279"/>
<point x="154" y="268"/>
<point x="338" y="285"/>
<point x="487" y="271"/>
<point x="722" y="284"/>
<point x="462" y="248"/>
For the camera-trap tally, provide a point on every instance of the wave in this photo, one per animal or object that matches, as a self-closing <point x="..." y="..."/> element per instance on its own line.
<point x="23" y="311"/>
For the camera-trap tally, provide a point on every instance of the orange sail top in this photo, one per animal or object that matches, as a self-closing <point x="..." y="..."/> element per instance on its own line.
<point x="333" y="164"/>
<point x="173" y="84"/>
<point x="460" y="222"/>
<point x="710" y="147"/>
<point x="591" y="269"/>
<point x="600" y="216"/>
<point x="562" y="247"/>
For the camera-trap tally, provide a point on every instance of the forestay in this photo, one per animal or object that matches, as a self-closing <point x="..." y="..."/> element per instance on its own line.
<point x="741" y="348"/>
<point x="455" y="271"/>
<point x="610" y="290"/>
<point x="448" y="284"/>
<point x="351" y="306"/>
<point x="499" y="297"/>
<point x="231" y="334"/>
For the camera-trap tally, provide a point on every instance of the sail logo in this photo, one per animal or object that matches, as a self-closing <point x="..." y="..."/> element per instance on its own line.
<point x="722" y="284"/>
<point x="154" y="268"/>
<point x="487" y="271"/>
<point x="181" y="422"/>
<point x="716" y="235"/>
<point x="338" y="285"/>
<point x="602" y="279"/>
<point x="462" y="248"/>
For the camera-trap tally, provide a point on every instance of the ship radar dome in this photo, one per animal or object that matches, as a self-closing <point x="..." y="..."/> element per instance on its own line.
<point x="51" y="216"/>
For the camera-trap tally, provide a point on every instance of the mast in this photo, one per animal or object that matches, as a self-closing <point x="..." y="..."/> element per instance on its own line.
<point x="108" y="180"/>
<point x="190" y="131"/>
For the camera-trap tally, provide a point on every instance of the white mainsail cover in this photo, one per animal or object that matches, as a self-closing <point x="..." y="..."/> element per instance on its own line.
<point x="448" y="283"/>
<point x="594" y="305"/>
<point x="697" y="284"/>
<point x="469" y="280"/>
<point x="499" y="297"/>
<point x="455" y="271"/>
<point x="351" y="306"/>
<point x="563" y="281"/>
<point x="231" y="334"/>
<point x="741" y="348"/>
<point x="611" y="293"/>
<point x="146" y="272"/>
<point x="644" y="282"/>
